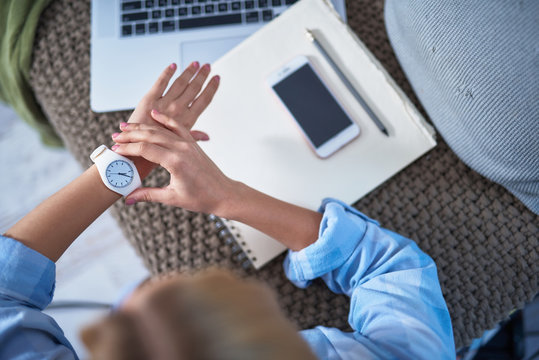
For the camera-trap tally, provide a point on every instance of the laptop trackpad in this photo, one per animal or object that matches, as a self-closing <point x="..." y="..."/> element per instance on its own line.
<point x="206" y="51"/>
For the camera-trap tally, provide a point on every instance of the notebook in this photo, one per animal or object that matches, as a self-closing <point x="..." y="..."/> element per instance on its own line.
<point x="253" y="140"/>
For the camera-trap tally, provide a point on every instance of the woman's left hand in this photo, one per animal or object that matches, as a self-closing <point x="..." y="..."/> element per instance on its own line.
<point x="180" y="103"/>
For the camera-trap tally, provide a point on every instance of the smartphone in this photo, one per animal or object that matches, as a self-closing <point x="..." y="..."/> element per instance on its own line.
<point x="322" y="120"/>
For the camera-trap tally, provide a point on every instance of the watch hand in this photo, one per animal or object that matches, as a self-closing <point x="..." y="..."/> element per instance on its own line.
<point x="124" y="174"/>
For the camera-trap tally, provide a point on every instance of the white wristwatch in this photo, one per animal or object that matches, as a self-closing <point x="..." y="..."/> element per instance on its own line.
<point x="117" y="172"/>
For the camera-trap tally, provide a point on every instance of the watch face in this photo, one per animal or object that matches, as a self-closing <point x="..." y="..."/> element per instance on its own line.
<point x="119" y="173"/>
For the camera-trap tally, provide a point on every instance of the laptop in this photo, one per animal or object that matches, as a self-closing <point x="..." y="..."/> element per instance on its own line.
<point x="133" y="41"/>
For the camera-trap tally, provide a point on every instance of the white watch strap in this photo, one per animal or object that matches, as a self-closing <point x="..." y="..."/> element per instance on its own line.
<point x="102" y="157"/>
<point x="100" y="149"/>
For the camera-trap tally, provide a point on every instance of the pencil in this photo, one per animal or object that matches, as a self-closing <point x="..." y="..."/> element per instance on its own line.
<point x="347" y="82"/>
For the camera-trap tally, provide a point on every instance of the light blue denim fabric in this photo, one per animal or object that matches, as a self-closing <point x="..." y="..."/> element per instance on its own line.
<point x="397" y="310"/>
<point x="27" y="281"/>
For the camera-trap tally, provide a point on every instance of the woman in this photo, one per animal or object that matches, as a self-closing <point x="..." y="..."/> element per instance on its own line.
<point x="397" y="309"/>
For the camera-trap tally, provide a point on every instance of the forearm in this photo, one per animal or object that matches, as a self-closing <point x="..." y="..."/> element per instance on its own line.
<point x="396" y="301"/>
<point x="293" y="226"/>
<point x="53" y="225"/>
<point x="401" y="291"/>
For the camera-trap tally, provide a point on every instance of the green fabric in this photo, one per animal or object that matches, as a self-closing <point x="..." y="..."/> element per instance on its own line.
<point x="18" y="23"/>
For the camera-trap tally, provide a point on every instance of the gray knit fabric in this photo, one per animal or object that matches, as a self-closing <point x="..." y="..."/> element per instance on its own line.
<point x="474" y="66"/>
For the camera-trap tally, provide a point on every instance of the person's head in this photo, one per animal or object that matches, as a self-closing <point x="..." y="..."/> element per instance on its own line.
<point x="211" y="315"/>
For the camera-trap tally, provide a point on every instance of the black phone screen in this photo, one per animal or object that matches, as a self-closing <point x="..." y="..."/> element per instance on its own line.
<point x="312" y="105"/>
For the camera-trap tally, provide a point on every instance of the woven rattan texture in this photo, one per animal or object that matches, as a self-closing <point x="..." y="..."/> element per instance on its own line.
<point x="483" y="240"/>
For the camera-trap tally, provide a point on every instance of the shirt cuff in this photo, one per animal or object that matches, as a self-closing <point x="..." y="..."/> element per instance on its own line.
<point x="26" y="276"/>
<point x="341" y="230"/>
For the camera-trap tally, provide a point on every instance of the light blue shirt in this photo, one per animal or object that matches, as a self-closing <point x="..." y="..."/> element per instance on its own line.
<point x="397" y="310"/>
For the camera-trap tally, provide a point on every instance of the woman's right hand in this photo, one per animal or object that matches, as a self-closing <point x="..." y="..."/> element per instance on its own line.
<point x="196" y="183"/>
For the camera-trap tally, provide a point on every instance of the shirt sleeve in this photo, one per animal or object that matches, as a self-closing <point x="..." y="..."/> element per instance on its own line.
<point x="396" y="305"/>
<point x="27" y="280"/>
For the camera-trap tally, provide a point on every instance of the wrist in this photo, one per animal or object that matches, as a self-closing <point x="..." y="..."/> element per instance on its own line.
<point x="294" y="226"/>
<point x="144" y="167"/>
<point x="100" y="189"/>
<point x="234" y="201"/>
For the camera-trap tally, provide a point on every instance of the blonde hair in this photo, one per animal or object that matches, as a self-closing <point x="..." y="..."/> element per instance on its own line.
<point x="208" y="316"/>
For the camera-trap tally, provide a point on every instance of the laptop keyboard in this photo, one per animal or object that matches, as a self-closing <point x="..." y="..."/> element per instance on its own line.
<point x="163" y="16"/>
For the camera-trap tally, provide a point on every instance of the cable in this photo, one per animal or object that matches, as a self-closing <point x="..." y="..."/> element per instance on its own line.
<point x="75" y="304"/>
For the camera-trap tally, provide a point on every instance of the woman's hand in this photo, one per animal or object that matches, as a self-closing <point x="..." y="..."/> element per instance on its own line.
<point x="196" y="183"/>
<point x="180" y="103"/>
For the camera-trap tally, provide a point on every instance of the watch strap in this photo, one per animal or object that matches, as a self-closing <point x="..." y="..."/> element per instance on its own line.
<point x="100" y="149"/>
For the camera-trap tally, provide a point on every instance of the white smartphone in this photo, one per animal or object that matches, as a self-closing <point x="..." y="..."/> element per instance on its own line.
<point x="323" y="121"/>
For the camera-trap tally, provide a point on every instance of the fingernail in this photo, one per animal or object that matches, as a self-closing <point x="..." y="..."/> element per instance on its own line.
<point x="173" y="66"/>
<point x="155" y="112"/>
<point x="130" y="202"/>
<point x="217" y="78"/>
<point x="206" y="67"/>
<point x="195" y="64"/>
<point x="205" y="137"/>
<point x="115" y="147"/>
<point x="114" y="135"/>
<point x="123" y="125"/>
